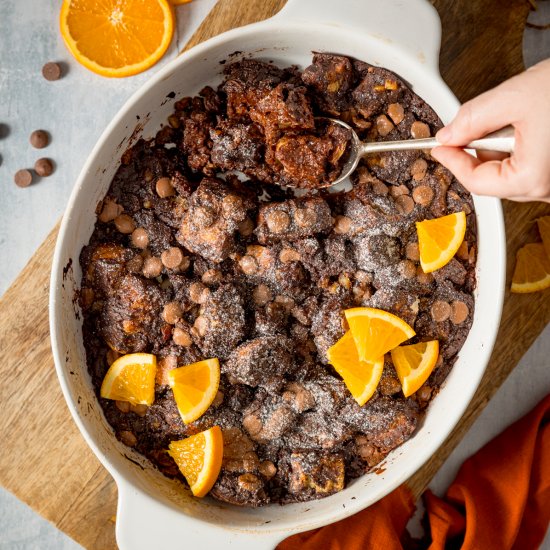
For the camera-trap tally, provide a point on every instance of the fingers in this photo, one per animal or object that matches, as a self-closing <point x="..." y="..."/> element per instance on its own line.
<point x="494" y="178"/>
<point x="486" y="113"/>
<point x="485" y="156"/>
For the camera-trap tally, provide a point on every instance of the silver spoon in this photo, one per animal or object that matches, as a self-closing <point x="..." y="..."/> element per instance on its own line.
<point x="501" y="140"/>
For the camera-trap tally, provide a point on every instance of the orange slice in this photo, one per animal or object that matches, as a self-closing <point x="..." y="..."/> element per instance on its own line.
<point x="360" y="377"/>
<point x="131" y="378"/>
<point x="179" y="2"/>
<point x="199" y="459"/>
<point x="414" y="364"/>
<point x="532" y="272"/>
<point x="117" y="38"/>
<point x="376" y="331"/>
<point x="195" y="387"/>
<point x="439" y="239"/>
<point x="544" y="230"/>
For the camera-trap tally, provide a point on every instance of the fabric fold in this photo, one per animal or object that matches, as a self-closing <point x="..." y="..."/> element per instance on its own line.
<point x="500" y="500"/>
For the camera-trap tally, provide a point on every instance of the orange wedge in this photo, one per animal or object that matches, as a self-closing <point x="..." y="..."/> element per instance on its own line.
<point x="131" y="378"/>
<point x="532" y="272"/>
<point x="360" y="377"/>
<point x="117" y="38"/>
<point x="199" y="459"/>
<point x="414" y="364"/>
<point x="195" y="387"/>
<point x="376" y="331"/>
<point x="439" y="239"/>
<point x="544" y="230"/>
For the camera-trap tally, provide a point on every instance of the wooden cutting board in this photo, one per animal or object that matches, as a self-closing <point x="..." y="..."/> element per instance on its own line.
<point x="44" y="460"/>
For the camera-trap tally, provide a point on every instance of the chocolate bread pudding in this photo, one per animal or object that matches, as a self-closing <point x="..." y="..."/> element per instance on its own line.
<point x="202" y="249"/>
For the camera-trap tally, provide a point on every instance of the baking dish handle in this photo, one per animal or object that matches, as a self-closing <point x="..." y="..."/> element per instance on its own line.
<point x="414" y="25"/>
<point x="143" y="523"/>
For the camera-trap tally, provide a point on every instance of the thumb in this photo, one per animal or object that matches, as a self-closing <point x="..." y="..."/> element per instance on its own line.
<point x="486" y="113"/>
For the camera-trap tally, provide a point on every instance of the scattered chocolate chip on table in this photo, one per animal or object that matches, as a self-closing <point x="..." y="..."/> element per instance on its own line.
<point x="43" y="167"/>
<point x="39" y="139"/>
<point x="23" y="178"/>
<point x="51" y="71"/>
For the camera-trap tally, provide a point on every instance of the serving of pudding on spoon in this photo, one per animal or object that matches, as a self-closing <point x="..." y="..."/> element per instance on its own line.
<point x="502" y="141"/>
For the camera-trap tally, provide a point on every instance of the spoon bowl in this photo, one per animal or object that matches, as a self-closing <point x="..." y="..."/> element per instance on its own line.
<point x="502" y="140"/>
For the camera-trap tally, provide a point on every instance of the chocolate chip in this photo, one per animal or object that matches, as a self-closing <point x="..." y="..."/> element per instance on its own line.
<point x="198" y="293"/>
<point x="51" y="71"/>
<point x="152" y="267"/>
<point x="212" y="277"/>
<point x="383" y="125"/>
<point x="412" y="252"/>
<point x="23" y="178"/>
<point x="420" y="130"/>
<point x="125" y="224"/>
<point x="249" y="482"/>
<point x="172" y="257"/>
<point x="398" y="190"/>
<point x="441" y="311"/>
<point x="277" y="221"/>
<point x="462" y="252"/>
<point x="172" y="312"/>
<point x="128" y="438"/>
<point x="380" y="188"/>
<point x="405" y="204"/>
<point x="262" y="295"/>
<point x="459" y="312"/>
<point x="289" y="255"/>
<point x="201" y="325"/>
<point x="407" y="269"/>
<point x="423" y="194"/>
<point x="419" y="169"/>
<point x="267" y="469"/>
<point x="165" y="188"/>
<point x="39" y="139"/>
<point x="423" y="278"/>
<point x="249" y="265"/>
<point x="396" y="112"/>
<point x="4" y="130"/>
<point x="140" y="238"/>
<point x="43" y="167"/>
<point x="181" y="337"/>
<point x="342" y="225"/>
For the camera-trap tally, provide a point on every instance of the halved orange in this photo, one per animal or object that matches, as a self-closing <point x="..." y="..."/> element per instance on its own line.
<point x="439" y="239"/>
<point x="117" y="38"/>
<point x="376" y="331"/>
<point x="414" y="364"/>
<point x="195" y="387"/>
<point x="532" y="272"/>
<point x="131" y="378"/>
<point x="199" y="459"/>
<point x="360" y="377"/>
<point x="544" y="230"/>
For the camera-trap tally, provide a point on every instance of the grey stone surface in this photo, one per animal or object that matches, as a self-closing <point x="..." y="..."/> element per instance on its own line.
<point x="75" y="111"/>
<point x="23" y="529"/>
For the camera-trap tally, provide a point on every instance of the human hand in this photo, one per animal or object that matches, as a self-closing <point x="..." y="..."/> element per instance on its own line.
<point x="523" y="102"/>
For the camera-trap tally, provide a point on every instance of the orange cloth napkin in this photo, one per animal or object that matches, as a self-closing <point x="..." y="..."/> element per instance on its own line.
<point x="500" y="500"/>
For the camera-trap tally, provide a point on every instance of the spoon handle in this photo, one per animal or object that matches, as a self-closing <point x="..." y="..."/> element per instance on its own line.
<point x="501" y="140"/>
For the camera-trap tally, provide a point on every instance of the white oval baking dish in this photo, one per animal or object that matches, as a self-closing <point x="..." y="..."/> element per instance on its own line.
<point x="153" y="511"/>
